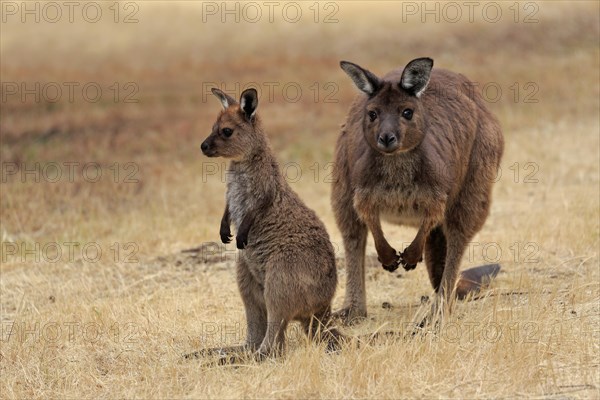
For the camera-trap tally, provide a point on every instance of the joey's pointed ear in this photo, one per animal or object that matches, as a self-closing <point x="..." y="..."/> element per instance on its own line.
<point x="249" y="102"/>
<point x="415" y="76"/>
<point x="225" y="99"/>
<point x="363" y="79"/>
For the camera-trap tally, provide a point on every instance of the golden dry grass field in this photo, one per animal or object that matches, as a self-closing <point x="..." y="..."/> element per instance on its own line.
<point x="103" y="110"/>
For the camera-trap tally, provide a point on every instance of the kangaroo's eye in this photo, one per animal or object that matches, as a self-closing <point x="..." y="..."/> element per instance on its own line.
<point x="372" y="115"/>
<point x="227" y="132"/>
<point x="407" y="113"/>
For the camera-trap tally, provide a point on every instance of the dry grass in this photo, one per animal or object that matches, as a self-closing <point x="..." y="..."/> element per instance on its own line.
<point x="113" y="329"/>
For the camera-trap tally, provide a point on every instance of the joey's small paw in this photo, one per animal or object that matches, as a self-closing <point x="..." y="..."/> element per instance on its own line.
<point x="241" y="242"/>
<point x="226" y="237"/>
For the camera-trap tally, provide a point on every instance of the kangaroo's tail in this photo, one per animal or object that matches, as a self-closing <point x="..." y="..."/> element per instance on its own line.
<point x="473" y="279"/>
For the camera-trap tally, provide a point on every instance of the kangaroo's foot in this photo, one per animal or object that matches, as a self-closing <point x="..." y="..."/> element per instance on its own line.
<point x="428" y="324"/>
<point x="350" y="314"/>
<point x="218" y="351"/>
<point x="431" y="320"/>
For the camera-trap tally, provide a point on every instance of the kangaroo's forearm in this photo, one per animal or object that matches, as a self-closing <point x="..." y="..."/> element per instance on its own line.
<point x="386" y="253"/>
<point x="413" y="254"/>
<point x="243" y="230"/>
<point x="374" y="225"/>
<point x="225" y="228"/>
<point x="248" y="221"/>
<point x="369" y="213"/>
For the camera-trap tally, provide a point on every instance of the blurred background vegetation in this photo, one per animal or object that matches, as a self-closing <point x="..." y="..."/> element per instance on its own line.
<point x="131" y="86"/>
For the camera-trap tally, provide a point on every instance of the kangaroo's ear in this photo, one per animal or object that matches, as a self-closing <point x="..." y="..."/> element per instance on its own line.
<point x="363" y="79"/>
<point x="415" y="76"/>
<point x="249" y="102"/>
<point x="225" y="99"/>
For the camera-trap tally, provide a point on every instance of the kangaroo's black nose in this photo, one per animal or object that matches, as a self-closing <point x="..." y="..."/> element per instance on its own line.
<point x="204" y="146"/>
<point x="387" y="139"/>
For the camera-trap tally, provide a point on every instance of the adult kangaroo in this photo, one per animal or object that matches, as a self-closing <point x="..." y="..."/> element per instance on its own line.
<point x="419" y="148"/>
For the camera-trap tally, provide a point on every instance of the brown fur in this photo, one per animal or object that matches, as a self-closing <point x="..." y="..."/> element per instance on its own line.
<point x="436" y="174"/>
<point x="286" y="269"/>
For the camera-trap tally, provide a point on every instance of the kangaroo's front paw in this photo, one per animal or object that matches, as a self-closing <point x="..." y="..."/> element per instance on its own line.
<point x="226" y="236"/>
<point x="389" y="260"/>
<point x="407" y="266"/>
<point x="241" y="241"/>
<point x="410" y="257"/>
<point x="392" y="267"/>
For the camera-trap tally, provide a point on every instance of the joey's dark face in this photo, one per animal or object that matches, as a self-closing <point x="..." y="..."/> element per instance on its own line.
<point x="234" y="135"/>
<point x="231" y="136"/>
<point x="393" y="120"/>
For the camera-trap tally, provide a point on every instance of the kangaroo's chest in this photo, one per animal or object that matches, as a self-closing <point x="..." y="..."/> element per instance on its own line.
<point x="400" y="205"/>
<point x="239" y="198"/>
<point x="398" y="195"/>
<point x="407" y="218"/>
<point x="242" y="200"/>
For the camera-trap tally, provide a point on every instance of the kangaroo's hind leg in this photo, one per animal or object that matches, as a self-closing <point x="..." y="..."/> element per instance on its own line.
<point x="318" y="327"/>
<point x="256" y="316"/>
<point x="281" y="301"/>
<point x="253" y="297"/>
<point x="354" y="233"/>
<point x="435" y="256"/>
<point x="273" y="343"/>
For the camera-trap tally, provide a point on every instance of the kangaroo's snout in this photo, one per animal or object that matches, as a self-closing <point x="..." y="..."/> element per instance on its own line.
<point x="387" y="140"/>
<point x="206" y="148"/>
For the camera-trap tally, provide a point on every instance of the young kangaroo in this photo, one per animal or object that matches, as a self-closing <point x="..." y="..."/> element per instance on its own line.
<point x="419" y="148"/>
<point x="286" y="268"/>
